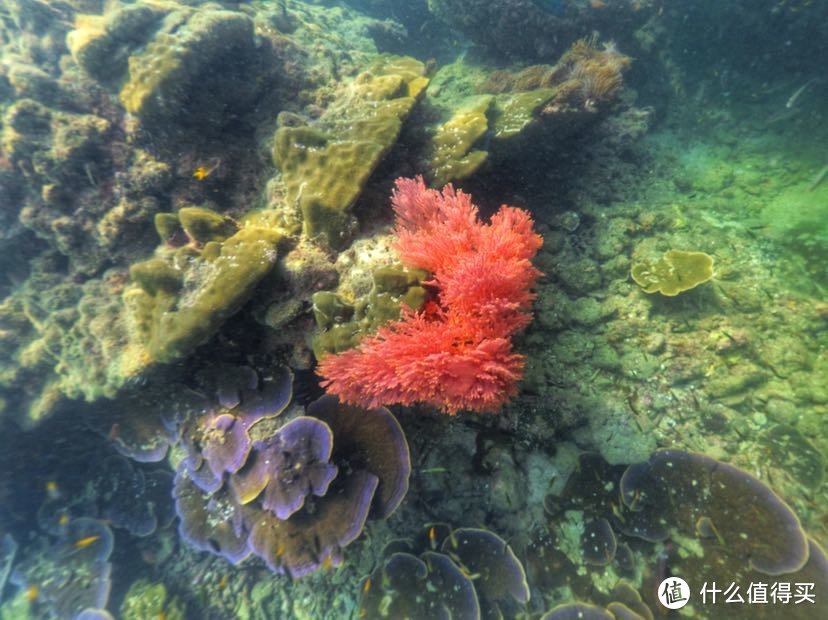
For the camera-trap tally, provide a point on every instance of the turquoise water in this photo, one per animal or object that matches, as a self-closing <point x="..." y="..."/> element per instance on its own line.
<point x="256" y="362"/>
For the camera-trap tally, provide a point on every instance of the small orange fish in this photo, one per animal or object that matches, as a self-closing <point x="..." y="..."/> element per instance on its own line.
<point x="202" y="172"/>
<point x="432" y="537"/>
<point x="327" y="563"/>
<point x="223" y="582"/>
<point x="83" y="543"/>
<point x="31" y="593"/>
<point x="52" y="489"/>
<point x="366" y="586"/>
<point x="63" y="520"/>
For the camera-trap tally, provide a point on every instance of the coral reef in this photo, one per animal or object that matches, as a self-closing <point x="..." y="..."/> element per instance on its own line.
<point x="681" y="499"/>
<point x="433" y="576"/>
<point x="457" y="352"/>
<point x="73" y="574"/>
<point x="296" y="495"/>
<point x="182" y="296"/>
<point x="325" y="165"/>
<point x="259" y="141"/>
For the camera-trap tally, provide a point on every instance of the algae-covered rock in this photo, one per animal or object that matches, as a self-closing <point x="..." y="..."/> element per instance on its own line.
<point x="195" y="69"/>
<point x="675" y="272"/>
<point x="324" y="167"/>
<point x="146" y="600"/>
<point x="101" y="44"/>
<point x="180" y="298"/>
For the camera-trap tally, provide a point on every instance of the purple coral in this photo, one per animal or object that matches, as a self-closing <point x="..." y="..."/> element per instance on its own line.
<point x="373" y="440"/>
<point x="199" y="526"/>
<point x="308" y="539"/>
<point x="226" y="444"/>
<point x="697" y="494"/>
<point x="284" y="497"/>
<point x="297" y="456"/>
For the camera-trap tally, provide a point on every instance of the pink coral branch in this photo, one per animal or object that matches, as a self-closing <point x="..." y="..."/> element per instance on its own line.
<point x="459" y="355"/>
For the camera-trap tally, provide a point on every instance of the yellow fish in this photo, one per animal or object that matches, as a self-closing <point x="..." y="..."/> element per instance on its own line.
<point x="63" y="519"/>
<point x="31" y="593"/>
<point x="202" y="172"/>
<point x="52" y="489"/>
<point x="83" y="543"/>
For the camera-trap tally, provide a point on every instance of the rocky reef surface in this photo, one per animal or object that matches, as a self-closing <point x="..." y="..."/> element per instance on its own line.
<point x="195" y="209"/>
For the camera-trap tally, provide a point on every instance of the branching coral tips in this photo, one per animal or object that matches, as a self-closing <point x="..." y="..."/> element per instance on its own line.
<point x="456" y="353"/>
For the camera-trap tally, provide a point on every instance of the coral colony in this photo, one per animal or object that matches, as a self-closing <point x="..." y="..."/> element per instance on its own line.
<point x="456" y="353"/>
<point x="262" y="357"/>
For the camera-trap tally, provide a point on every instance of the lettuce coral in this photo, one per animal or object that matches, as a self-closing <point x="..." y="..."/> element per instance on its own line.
<point x="455" y="353"/>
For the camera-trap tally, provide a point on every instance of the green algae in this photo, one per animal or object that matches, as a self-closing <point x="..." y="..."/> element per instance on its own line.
<point x="145" y="601"/>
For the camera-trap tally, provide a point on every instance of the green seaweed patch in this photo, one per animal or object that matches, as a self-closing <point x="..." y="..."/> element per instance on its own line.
<point x="675" y="272"/>
<point x="341" y="324"/>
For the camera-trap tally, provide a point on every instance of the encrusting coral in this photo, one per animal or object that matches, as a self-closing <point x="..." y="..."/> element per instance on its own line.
<point x="456" y="353"/>
<point x="675" y="272"/>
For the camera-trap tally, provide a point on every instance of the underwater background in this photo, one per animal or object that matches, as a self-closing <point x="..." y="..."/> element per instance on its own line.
<point x="256" y="363"/>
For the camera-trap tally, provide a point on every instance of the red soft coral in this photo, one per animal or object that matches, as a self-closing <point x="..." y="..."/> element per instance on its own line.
<point x="457" y="355"/>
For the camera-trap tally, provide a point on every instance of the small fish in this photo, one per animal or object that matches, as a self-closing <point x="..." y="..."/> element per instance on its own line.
<point x="793" y="98"/>
<point x="327" y="563"/>
<point x="432" y="537"/>
<point x="366" y="586"/>
<point x="52" y="489"/>
<point x="83" y="543"/>
<point x="223" y="581"/>
<point x="63" y="520"/>
<point x="31" y="593"/>
<point x="202" y="172"/>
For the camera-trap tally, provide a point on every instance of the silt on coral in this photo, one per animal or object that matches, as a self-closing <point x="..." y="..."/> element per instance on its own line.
<point x="456" y="353"/>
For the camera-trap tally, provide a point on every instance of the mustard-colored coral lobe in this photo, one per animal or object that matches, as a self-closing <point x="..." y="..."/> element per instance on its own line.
<point x="675" y="272"/>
